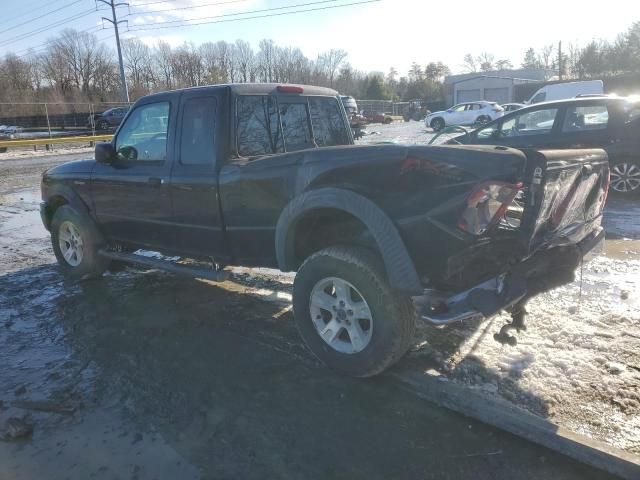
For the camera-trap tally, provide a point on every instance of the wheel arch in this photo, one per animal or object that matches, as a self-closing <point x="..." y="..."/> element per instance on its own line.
<point x="59" y="195"/>
<point x="444" y="123"/>
<point x="399" y="266"/>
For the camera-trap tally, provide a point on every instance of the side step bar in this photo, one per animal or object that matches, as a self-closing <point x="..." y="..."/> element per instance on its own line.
<point x="215" y="276"/>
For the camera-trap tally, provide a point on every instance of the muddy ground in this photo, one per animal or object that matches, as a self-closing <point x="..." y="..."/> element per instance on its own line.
<point x="147" y="375"/>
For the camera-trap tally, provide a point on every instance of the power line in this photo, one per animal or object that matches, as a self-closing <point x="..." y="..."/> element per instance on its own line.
<point x="46" y="27"/>
<point x="244" y="13"/>
<point x="26" y="52"/>
<point x="185" y="22"/>
<point x="183" y="8"/>
<point x="20" y="15"/>
<point x="41" y="16"/>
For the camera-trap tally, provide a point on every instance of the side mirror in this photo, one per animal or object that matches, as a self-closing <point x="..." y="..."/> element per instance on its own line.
<point x="105" y="153"/>
<point x="449" y="111"/>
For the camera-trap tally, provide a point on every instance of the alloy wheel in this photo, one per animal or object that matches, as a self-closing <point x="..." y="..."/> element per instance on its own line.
<point x="341" y="315"/>
<point x="625" y="177"/>
<point x="70" y="243"/>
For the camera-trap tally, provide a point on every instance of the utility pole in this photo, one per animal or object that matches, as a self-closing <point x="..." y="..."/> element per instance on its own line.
<point x="560" y="59"/>
<point x="115" y="22"/>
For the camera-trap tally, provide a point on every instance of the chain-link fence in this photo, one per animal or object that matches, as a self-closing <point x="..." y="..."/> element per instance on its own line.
<point x="42" y="120"/>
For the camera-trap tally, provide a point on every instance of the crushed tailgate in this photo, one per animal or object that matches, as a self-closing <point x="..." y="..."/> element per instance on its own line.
<point x="566" y="196"/>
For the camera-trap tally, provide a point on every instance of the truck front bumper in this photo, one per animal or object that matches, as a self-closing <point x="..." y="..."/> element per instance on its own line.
<point x="44" y="215"/>
<point x="543" y="271"/>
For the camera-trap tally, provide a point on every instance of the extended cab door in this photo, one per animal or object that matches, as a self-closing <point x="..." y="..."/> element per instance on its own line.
<point x="130" y="195"/>
<point x="194" y="179"/>
<point x="455" y="115"/>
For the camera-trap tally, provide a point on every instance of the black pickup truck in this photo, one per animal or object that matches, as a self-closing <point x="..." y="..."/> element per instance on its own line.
<point x="267" y="175"/>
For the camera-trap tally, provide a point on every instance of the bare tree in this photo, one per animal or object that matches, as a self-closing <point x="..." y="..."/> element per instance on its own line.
<point x="81" y="52"/>
<point x="486" y="61"/>
<point x="187" y="65"/>
<point x="503" y="64"/>
<point x="330" y="62"/>
<point x="163" y="66"/>
<point x="267" y="60"/>
<point x="245" y="60"/>
<point x="137" y="62"/>
<point x="469" y="63"/>
<point x="546" y="56"/>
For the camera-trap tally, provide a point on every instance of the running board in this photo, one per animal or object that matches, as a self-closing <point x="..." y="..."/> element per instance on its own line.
<point x="215" y="276"/>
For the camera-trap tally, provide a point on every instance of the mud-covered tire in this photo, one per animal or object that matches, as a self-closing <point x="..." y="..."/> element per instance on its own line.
<point x="90" y="264"/>
<point x="437" y="124"/>
<point x="393" y="314"/>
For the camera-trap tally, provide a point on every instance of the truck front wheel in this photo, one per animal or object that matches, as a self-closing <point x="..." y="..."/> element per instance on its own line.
<point x="347" y="313"/>
<point x="76" y="240"/>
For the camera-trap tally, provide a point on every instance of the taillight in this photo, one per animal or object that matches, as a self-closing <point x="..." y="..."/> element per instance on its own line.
<point x="290" y="89"/>
<point x="486" y="205"/>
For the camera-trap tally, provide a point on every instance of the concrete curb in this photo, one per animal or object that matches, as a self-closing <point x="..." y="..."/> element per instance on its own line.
<point x="505" y="416"/>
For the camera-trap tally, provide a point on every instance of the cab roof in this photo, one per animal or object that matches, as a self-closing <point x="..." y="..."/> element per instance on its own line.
<point x="261" y="89"/>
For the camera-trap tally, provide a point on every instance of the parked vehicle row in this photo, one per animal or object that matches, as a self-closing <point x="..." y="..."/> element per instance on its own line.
<point x="267" y="175"/>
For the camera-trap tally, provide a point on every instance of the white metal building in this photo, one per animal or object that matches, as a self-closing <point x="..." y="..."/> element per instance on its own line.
<point x="492" y="86"/>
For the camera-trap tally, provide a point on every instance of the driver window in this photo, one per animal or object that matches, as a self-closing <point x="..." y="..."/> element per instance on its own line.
<point x="536" y="122"/>
<point x="487" y="132"/>
<point x="143" y="137"/>
<point x="458" y="108"/>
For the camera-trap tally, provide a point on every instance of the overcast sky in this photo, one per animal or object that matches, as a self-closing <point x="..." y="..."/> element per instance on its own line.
<point x="376" y="35"/>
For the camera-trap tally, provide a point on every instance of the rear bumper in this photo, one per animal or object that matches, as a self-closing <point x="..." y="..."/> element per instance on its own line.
<point x="544" y="271"/>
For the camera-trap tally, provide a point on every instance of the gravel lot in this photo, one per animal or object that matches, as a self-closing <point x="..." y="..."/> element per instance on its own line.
<point x="147" y="375"/>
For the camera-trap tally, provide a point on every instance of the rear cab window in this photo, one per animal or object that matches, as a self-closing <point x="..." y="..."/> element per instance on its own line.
<point x="269" y="124"/>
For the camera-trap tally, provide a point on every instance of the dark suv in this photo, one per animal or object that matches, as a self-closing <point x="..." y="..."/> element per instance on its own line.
<point x="110" y="118"/>
<point x="611" y="123"/>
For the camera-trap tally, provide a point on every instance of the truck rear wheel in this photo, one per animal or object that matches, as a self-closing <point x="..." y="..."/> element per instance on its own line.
<point x="76" y="240"/>
<point x="347" y="313"/>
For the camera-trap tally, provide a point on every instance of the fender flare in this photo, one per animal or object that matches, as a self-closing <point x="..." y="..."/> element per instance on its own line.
<point x="398" y="264"/>
<point x="72" y="198"/>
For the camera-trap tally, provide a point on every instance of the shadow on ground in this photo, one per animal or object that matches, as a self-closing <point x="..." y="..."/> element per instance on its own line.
<point x="222" y="378"/>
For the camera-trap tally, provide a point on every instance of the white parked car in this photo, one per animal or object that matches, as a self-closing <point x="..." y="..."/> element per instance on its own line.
<point x="471" y="113"/>
<point x="512" y="107"/>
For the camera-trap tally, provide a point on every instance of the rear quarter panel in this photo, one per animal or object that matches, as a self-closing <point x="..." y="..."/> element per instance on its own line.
<point x="413" y="185"/>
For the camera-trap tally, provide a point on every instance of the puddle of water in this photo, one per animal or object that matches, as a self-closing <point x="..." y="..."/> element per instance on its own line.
<point x="622" y="218"/>
<point x="622" y="248"/>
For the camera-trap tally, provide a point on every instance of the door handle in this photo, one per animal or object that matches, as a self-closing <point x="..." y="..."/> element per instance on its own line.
<point x="155" y="181"/>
